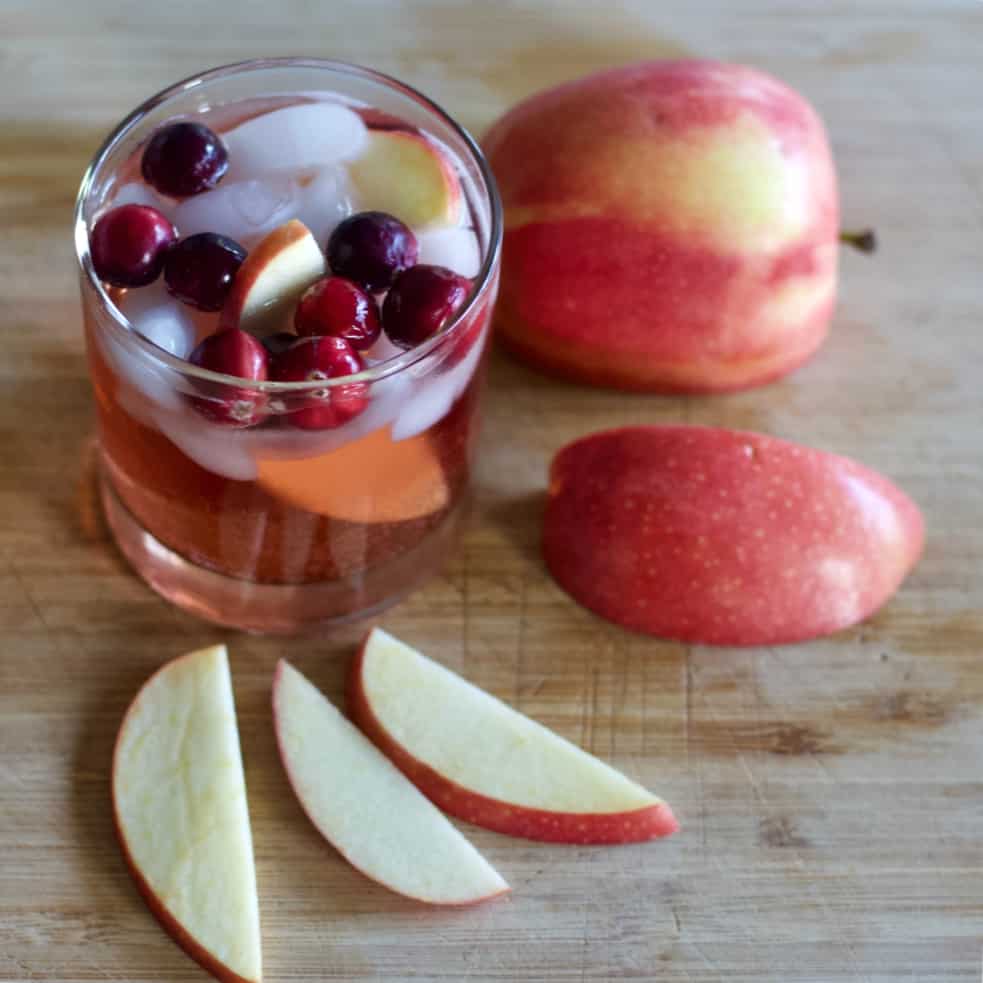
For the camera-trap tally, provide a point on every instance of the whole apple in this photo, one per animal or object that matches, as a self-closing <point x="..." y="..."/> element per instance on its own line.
<point x="669" y="226"/>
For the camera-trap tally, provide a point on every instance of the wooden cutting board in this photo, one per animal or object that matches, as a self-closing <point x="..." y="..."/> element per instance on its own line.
<point x="831" y="793"/>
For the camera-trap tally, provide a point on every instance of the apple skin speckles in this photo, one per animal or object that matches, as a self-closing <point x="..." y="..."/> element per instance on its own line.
<point x="638" y="529"/>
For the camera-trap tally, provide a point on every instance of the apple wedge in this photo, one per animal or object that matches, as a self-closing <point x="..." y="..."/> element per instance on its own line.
<point x="724" y="537"/>
<point x="366" y="809"/>
<point x="370" y="480"/>
<point x="487" y="764"/>
<point x="406" y="175"/>
<point x="179" y="803"/>
<point x="272" y="278"/>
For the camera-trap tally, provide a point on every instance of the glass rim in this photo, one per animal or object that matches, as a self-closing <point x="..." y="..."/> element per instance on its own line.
<point x="120" y="323"/>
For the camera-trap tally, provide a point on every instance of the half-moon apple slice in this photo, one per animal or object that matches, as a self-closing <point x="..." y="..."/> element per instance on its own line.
<point x="179" y="801"/>
<point x="364" y="807"/>
<point x="408" y="176"/>
<point x="484" y="762"/>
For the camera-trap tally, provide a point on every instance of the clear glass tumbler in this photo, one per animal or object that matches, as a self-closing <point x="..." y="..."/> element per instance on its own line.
<point x="271" y="528"/>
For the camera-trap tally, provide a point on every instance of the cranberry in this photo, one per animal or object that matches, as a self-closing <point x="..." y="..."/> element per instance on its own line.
<point x="420" y="302"/>
<point x="371" y="248"/>
<point x="184" y="159"/>
<point x="128" y="245"/>
<point x="311" y="359"/>
<point x="277" y="344"/>
<point x="336" y="306"/>
<point x="232" y="352"/>
<point x="200" y="269"/>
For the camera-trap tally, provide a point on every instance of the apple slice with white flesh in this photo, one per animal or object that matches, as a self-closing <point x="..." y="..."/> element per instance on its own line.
<point x="179" y="803"/>
<point x="485" y="763"/>
<point x="272" y="278"/>
<point x="366" y="809"/>
<point x="406" y="175"/>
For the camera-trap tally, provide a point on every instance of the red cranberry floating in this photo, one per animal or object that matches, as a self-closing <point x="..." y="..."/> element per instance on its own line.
<point x="336" y="306"/>
<point x="313" y="359"/>
<point x="200" y="269"/>
<point x="420" y="302"/>
<point x="232" y="352"/>
<point x="371" y="248"/>
<point x="128" y="245"/>
<point x="278" y="343"/>
<point x="184" y="159"/>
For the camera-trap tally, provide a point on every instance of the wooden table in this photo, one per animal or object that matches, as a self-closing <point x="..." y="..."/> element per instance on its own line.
<point x="831" y="793"/>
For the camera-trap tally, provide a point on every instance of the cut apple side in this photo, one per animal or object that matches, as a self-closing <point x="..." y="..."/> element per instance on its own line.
<point x="487" y="764"/>
<point x="368" y="480"/>
<point x="179" y="803"/>
<point x="272" y="278"/>
<point x="362" y="804"/>
<point x="406" y="175"/>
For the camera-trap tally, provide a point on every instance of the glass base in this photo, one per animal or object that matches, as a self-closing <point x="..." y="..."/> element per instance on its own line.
<point x="285" y="609"/>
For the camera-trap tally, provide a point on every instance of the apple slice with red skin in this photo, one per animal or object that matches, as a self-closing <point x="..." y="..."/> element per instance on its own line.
<point x="179" y="804"/>
<point x="724" y="537"/>
<point x="406" y="175"/>
<point x="272" y="279"/>
<point x="485" y="763"/>
<point x="364" y="807"/>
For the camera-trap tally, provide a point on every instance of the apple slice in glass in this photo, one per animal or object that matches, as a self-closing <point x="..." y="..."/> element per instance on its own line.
<point x="179" y="802"/>
<point x="366" y="809"/>
<point x="406" y="175"/>
<point x="272" y="279"/>
<point x="485" y="763"/>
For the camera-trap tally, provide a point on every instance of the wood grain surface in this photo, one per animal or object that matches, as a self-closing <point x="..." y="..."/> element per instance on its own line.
<point x="831" y="794"/>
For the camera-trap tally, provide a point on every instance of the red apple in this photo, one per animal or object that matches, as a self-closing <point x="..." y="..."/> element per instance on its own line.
<point x="360" y="803"/>
<point x="670" y="226"/>
<point x="179" y="803"/>
<point x="485" y="763"/>
<point x="724" y="537"/>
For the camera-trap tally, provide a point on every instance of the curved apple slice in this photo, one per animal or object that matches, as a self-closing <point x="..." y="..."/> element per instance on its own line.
<point x="406" y="175"/>
<point x="724" y="537"/>
<point x="179" y="803"/>
<point x="371" y="479"/>
<point x="271" y="279"/>
<point x="487" y="764"/>
<point x="366" y="809"/>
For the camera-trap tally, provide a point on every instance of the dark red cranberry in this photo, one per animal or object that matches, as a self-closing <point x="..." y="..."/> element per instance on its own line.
<point x="278" y="343"/>
<point x="371" y="248"/>
<point x="128" y="245"/>
<point x="336" y="306"/>
<point x="184" y="159"/>
<point x="200" y="269"/>
<point x="232" y="352"/>
<point x="420" y="302"/>
<point x="313" y="359"/>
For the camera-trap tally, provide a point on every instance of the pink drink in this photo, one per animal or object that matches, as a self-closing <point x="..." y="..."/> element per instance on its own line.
<point x="325" y="499"/>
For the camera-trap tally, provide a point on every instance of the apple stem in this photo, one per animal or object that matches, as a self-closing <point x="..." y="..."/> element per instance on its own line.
<point x="863" y="240"/>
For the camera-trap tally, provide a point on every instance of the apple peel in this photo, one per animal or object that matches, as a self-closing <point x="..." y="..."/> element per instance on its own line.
<point x="724" y="537"/>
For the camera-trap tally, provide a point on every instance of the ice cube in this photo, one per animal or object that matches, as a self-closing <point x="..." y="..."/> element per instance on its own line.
<point x="455" y="247"/>
<point x="144" y="382"/>
<point x="156" y="315"/>
<point x="218" y="449"/>
<point x="138" y="193"/>
<point x="242" y="210"/>
<point x="324" y="202"/>
<point x="382" y="351"/>
<point x="297" y="138"/>
<point x="434" y="396"/>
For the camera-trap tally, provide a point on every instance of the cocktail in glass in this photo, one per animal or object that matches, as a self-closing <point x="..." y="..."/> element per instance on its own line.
<point x="291" y="500"/>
